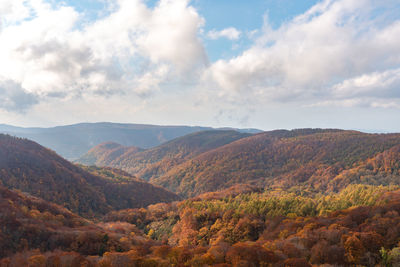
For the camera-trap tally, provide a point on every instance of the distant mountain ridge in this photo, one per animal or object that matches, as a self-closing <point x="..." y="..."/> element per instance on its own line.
<point x="72" y="141"/>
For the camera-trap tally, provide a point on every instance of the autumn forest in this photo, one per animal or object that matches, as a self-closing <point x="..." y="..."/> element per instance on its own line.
<point x="213" y="197"/>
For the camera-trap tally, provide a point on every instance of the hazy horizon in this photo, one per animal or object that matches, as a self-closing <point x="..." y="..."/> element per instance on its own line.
<point x="194" y="125"/>
<point x="261" y="64"/>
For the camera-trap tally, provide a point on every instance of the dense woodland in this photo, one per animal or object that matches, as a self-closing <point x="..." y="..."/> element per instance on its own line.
<point x="157" y="161"/>
<point x="281" y="198"/>
<point x="315" y="159"/>
<point x="31" y="168"/>
<point x="357" y="226"/>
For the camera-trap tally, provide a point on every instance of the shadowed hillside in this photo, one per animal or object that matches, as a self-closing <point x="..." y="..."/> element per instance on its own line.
<point x="31" y="168"/>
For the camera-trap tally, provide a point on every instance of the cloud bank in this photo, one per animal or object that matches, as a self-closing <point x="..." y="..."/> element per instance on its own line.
<point x="46" y="51"/>
<point x="338" y="53"/>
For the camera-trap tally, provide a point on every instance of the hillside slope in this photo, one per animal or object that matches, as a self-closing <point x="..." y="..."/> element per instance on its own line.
<point x="308" y="158"/>
<point x="105" y="153"/>
<point x="72" y="141"/>
<point x="25" y="219"/>
<point x="353" y="227"/>
<point x="31" y="168"/>
<point x="332" y="199"/>
<point x="30" y="223"/>
<point x="156" y="161"/>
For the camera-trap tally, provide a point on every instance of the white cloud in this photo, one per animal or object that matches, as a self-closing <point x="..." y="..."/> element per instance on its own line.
<point x="385" y="84"/>
<point x="230" y="33"/>
<point x="172" y="35"/>
<point x="366" y="102"/>
<point x="12" y="11"/>
<point x="339" y="53"/>
<point x="377" y="89"/>
<point x="45" y="49"/>
<point x="304" y="58"/>
<point x="14" y="98"/>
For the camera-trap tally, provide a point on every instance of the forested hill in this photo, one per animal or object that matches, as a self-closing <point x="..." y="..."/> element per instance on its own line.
<point x="105" y="153"/>
<point x="72" y="141"/>
<point x="298" y="198"/>
<point x="156" y="161"/>
<point x="29" y="222"/>
<point x="316" y="160"/>
<point x="30" y="226"/>
<point x="356" y="227"/>
<point x="29" y="167"/>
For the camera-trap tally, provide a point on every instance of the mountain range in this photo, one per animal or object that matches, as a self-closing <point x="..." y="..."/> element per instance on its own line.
<point x="72" y="141"/>
<point x="156" y="161"/>
<point x="306" y="197"/>
<point x="315" y="159"/>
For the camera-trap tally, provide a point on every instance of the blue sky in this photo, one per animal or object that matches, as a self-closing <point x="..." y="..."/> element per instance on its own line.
<point x="245" y="16"/>
<point x="265" y="63"/>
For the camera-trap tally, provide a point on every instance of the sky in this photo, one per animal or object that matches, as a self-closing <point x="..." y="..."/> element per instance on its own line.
<point x="266" y="64"/>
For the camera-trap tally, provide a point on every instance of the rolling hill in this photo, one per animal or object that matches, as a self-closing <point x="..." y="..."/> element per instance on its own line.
<point x="29" y="221"/>
<point x="306" y="197"/>
<point x="357" y="226"/>
<point x="72" y="141"/>
<point x="156" y="161"/>
<point x="105" y="153"/>
<point x="29" y="167"/>
<point x="31" y="226"/>
<point x="313" y="159"/>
